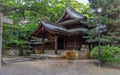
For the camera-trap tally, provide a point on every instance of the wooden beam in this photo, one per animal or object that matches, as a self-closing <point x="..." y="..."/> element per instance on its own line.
<point x="56" y="45"/>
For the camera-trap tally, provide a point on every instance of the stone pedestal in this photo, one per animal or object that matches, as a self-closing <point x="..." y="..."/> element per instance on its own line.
<point x="71" y="55"/>
<point x="39" y="52"/>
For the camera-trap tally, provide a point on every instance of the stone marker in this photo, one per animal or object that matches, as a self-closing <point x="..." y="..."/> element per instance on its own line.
<point x="2" y="20"/>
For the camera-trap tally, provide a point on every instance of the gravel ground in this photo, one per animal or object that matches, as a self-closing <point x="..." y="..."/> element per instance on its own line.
<point x="57" y="67"/>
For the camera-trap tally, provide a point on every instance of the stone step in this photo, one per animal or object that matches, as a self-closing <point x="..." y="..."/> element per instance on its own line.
<point x="84" y="55"/>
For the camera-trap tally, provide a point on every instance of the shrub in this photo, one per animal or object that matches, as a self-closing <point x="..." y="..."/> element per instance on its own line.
<point x="108" y="54"/>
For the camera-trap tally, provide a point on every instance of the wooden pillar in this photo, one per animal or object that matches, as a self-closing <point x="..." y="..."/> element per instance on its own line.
<point x="56" y="44"/>
<point x="43" y="44"/>
<point x="79" y="46"/>
<point x="93" y="45"/>
<point x="74" y="41"/>
<point x="64" y="43"/>
<point x="89" y="45"/>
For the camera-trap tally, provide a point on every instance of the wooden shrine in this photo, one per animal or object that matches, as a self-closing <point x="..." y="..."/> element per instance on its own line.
<point x="65" y="34"/>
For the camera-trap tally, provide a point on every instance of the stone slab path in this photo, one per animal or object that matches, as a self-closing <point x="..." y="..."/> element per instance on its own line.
<point x="57" y="67"/>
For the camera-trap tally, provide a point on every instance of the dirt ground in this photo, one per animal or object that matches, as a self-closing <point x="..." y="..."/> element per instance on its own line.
<point x="57" y="67"/>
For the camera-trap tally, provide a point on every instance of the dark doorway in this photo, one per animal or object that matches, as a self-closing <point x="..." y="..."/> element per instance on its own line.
<point x="60" y="43"/>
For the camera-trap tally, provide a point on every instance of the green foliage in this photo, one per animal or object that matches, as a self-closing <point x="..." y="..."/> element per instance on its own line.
<point x="110" y="16"/>
<point x="18" y="35"/>
<point x="108" y="54"/>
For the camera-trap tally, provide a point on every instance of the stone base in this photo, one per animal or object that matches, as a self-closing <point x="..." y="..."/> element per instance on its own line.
<point x="11" y="52"/>
<point x="88" y="55"/>
<point x="39" y="52"/>
<point x="71" y="55"/>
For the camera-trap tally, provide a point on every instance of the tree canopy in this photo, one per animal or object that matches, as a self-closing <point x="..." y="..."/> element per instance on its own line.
<point x="27" y="14"/>
<point x="109" y="16"/>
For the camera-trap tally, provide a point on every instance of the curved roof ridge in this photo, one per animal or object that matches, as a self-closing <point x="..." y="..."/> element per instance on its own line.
<point x="36" y="29"/>
<point x="72" y="13"/>
<point x="52" y="27"/>
<point x="60" y="29"/>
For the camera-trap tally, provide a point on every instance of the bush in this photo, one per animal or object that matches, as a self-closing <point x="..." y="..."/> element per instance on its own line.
<point x="108" y="54"/>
